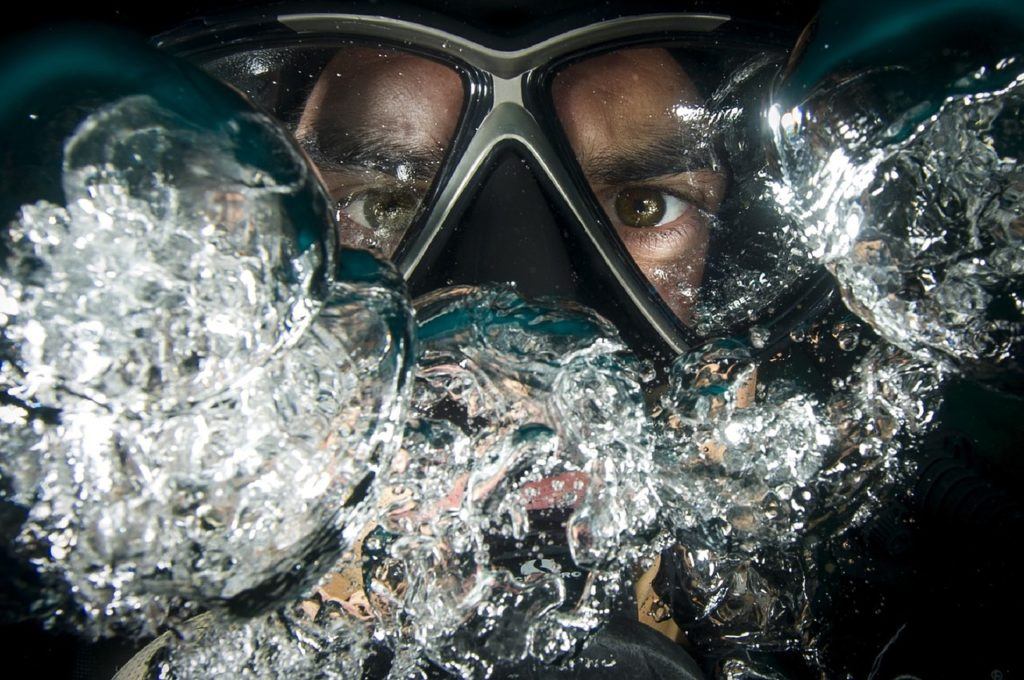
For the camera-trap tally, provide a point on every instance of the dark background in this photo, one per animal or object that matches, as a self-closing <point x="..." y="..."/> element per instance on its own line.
<point x="498" y="16"/>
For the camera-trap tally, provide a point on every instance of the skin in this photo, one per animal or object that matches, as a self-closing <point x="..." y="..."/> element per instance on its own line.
<point x="370" y="110"/>
<point x="618" y="112"/>
<point x="379" y="120"/>
<point x="616" y="109"/>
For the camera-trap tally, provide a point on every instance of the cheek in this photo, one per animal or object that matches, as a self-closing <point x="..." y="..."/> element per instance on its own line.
<point x="672" y="262"/>
<point x="685" y="243"/>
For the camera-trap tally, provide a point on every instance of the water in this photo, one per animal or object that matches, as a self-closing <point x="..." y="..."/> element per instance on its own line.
<point x="756" y="257"/>
<point x="286" y="644"/>
<point x="753" y="480"/>
<point x="522" y="410"/>
<point x="206" y="417"/>
<point x="509" y="394"/>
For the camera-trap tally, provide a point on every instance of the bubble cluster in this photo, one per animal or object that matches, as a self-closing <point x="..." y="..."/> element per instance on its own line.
<point x="752" y="473"/>
<point x="503" y="529"/>
<point x="168" y="455"/>
<point x="756" y="259"/>
<point x="284" y="644"/>
<point x="916" y="207"/>
<point x="521" y="492"/>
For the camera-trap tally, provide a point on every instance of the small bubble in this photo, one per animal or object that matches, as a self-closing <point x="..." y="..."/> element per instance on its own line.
<point x="647" y="371"/>
<point x="758" y="336"/>
<point x="848" y="340"/>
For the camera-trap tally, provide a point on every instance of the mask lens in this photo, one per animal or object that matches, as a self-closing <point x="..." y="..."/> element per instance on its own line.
<point x="376" y="122"/>
<point x="671" y="141"/>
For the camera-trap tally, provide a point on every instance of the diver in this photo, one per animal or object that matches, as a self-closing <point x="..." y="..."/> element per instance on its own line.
<point x="387" y="129"/>
<point x="591" y="164"/>
<point x="606" y="155"/>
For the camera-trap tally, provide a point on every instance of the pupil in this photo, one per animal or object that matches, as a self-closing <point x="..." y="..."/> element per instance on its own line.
<point x="389" y="211"/>
<point x="640" y="207"/>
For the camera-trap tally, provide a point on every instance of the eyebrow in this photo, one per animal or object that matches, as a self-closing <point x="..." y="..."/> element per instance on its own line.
<point x="668" y="155"/>
<point x="342" y="150"/>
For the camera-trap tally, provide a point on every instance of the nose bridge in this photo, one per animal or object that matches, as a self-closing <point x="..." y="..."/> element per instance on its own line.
<point x="511" y="233"/>
<point x="495" y="222"/>
<point x="507" y="125"/>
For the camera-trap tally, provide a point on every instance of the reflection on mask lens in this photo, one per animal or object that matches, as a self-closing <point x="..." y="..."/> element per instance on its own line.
<point x="375" y="122"/>
<point x="667" y="138"/>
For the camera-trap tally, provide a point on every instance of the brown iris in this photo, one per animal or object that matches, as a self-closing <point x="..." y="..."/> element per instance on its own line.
<point x="389" y="210"/>
<point x="640" y="206"/>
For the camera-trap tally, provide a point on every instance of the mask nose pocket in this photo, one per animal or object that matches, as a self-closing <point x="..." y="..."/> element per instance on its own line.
<point x="514" y="229"/>
<point x="508" y="233"/>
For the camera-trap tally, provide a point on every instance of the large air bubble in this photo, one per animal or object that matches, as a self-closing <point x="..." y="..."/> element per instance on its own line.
<point x="901" y="161"/>
<point x="190" y="399"/>
<point x="502" y="532"/>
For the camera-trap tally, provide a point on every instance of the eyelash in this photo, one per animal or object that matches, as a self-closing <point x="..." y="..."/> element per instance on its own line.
<point x="694" y="196"/>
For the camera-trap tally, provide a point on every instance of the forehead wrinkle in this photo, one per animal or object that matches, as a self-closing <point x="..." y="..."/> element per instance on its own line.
<point x="363" y="138"/>
<point x="655" y="144"/>
<point x="600" y="137"/>
<point x="409" y="95"/>
<point x="369" y="148"/>
<point x="411" y="133"/>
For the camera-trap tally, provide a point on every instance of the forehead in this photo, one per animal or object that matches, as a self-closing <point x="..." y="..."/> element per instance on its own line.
<point x="625" y="81"/>
<point x="611" y="99"/>
<point x="614" y="74"/>
<point x="362" y="81"/>
<point x="371" y="87"/>
<point x="376" y="71"/>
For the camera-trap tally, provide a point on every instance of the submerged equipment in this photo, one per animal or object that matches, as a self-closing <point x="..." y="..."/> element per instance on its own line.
<point x="618" y="164"/>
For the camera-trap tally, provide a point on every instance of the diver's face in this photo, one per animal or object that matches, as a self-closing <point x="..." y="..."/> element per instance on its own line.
<point x="377" y="124"/>
<point x="618" y="112"/>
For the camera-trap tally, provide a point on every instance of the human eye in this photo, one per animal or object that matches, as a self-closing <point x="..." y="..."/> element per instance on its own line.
<point x="375" y="216"/>
<point x="662" y="222"/>
<point x="641" y="207"/>
<point x="662" y="202"/>
<point x="385" y="211"/>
